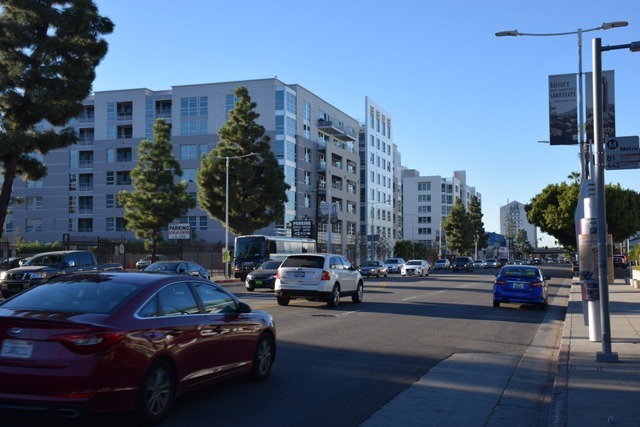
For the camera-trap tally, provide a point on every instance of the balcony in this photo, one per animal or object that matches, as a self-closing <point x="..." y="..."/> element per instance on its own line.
<point x="337" y="130"/>
<point x="322" y="167"/>
<point x="322" y="144"/>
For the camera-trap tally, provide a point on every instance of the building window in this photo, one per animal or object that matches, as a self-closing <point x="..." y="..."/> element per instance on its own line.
<point x="194" y="106"/>
<point x="123" y="178"/>
<point x="189" y="175"/>
<point x="85" y="182"/>
<point x="424" y="186"/>
<point x="125" y="110"/>
<point x="86" y="136"/>
<point x="111" y="155"/>
<point x="34" y="184"/>
<point x="33" y="202"/>
<point x="85" y="225"/>
<point x="73" y="182"/>
<point x="85" y="204"/>
<point x="72" y="204"/>
<point x="85" y="159"/>
<point x="194" y="127"/>
<point x="116" y="224"/>
<point x="123" y="154"/>
<point x="33" y="225"/>
<point x="110" y="201"/>
<point x="125" y="132"/>
<point x="307" y="111"/>
<point x="188" y="152"/>
<point x="110" y="178"/>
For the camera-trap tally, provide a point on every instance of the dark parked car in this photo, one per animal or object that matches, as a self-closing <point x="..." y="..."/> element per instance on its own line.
<point x="10" y="263"/>
<point x="180" y="267"/>
<point x="263" y="276"/>
<point x="373" y="268"/>
<point x="521" y="284"/>
<point x="620" y="261"/>
<point x="462" y="263"/>
<point x="120" y="341"/>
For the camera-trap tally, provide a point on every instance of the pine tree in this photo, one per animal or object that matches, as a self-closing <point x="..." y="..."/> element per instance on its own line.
<point x="257" y="191"/>
<point x="480" y="236"/>
<point x="458" y="229"/>
<point x="48" y="53"/>
<point x="156" y="199"/>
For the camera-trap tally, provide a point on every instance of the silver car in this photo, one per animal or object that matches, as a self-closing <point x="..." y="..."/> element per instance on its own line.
<point x="318" y="277"/>
<point x="415" y="267"/>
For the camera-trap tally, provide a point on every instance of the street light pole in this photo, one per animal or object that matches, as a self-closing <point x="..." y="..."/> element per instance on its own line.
<point x="584" y="149"/>
<point x="598" y="131"/>
<point x="226" y="215"/>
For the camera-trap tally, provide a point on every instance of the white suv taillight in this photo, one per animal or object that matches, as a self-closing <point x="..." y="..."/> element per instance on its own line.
<point x="325" y="275"/>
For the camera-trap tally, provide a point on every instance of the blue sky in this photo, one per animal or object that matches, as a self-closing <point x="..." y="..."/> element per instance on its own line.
<point x="461" y="98"/>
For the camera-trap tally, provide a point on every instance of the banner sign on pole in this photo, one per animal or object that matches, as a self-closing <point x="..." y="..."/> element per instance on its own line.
<point x="608" y="107"/>
<point x="563" y="110"/>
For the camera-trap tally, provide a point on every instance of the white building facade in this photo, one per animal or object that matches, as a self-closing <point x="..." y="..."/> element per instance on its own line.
<point x="315" y="144"/>
<point x="379" y="196"/>
<point x="513" y="218"/>
<point x="428" y="201"/>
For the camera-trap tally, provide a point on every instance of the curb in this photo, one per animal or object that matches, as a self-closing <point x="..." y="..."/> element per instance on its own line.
<point x="558" y="406"/>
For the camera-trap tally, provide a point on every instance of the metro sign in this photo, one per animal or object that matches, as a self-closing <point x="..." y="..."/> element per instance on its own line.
<point x="622" y="152"/>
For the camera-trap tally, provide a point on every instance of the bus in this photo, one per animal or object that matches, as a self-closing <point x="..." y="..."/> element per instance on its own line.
<point x="251" y="251"/>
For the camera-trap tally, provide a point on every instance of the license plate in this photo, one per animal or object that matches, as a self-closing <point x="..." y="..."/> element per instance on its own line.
<point x="20" y="349"/>
<point x="299" y="274"/>
<point x="258" y="282"/>
<point x="518" y="286"/>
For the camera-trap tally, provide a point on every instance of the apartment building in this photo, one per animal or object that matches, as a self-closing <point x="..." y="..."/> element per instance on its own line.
<point x="314" y="142"/>
<point x="427" y="201"/>
<point x="514" y="218"/>
<point x="380" y="199"/>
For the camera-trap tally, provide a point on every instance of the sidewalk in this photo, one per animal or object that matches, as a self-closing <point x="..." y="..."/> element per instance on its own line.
<point x="591" y="393"/>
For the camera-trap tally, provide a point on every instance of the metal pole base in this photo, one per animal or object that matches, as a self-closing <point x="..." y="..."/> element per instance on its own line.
<point x="607" y="357"/>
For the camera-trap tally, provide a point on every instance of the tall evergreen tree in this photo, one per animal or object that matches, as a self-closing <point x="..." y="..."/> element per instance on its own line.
<point x="257" y="191"/>
<point x="458" y="229"/>
<point x="48" y="53"/>
<point x="522" y="244"/>
<point x="156" y="199"/>
<point x="480" y="237"/>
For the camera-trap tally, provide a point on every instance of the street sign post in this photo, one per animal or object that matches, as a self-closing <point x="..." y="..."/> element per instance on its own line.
<point x="622" y="152"/>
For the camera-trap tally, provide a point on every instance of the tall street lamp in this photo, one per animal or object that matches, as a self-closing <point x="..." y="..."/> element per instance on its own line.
<point x="584" y="151"/>
<point x="598" y="131"/>
<point x="226" y="214"/>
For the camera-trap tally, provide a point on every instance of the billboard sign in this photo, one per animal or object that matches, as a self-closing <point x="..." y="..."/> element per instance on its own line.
<point x="563" y="110"/>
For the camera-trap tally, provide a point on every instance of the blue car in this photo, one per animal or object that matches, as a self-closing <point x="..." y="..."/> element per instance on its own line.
<point x="521" y="284"/>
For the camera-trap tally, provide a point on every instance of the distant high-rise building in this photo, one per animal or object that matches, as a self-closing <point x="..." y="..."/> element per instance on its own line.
<point x="513" y="218"/>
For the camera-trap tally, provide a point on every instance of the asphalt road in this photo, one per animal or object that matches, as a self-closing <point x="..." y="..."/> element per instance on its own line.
<point x="339" y="366"/>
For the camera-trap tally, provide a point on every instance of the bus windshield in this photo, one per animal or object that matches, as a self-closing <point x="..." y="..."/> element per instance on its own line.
<point x="251" y="251"/>
<point x="249" y="247"/>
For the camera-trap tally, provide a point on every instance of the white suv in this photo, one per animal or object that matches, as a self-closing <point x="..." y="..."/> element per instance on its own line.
<point x="319" y="277"/>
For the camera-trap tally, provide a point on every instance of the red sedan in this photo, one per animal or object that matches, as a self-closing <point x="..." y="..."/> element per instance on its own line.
<point x="115" y="341"/>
